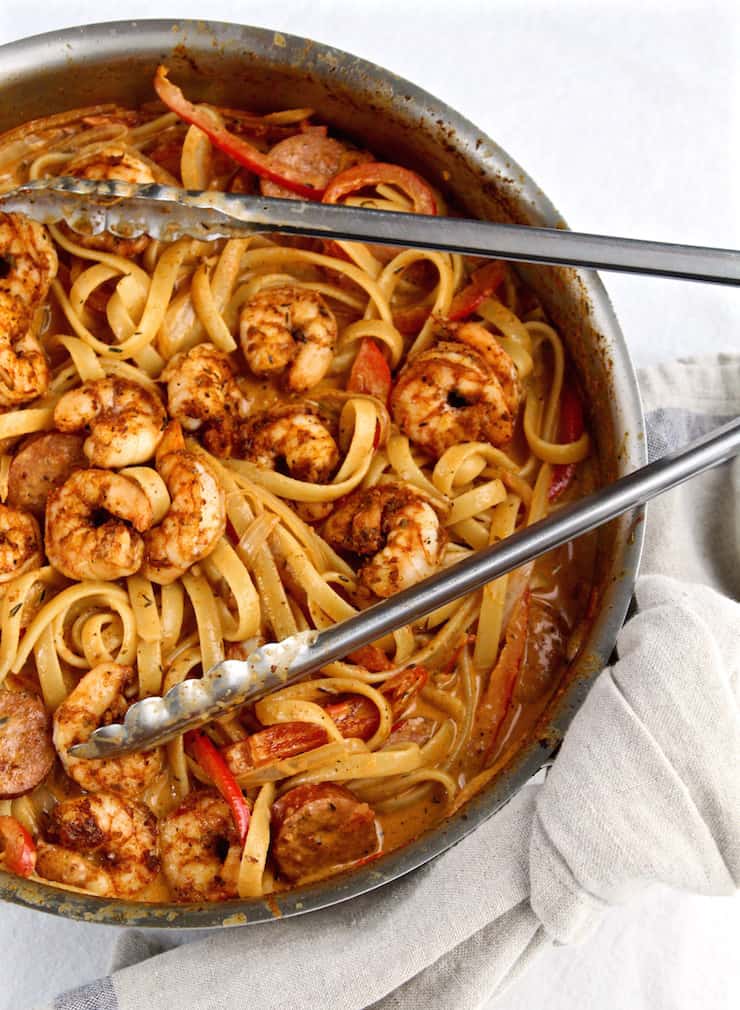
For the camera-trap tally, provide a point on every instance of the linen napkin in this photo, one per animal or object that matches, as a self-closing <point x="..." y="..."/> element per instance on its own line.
<point x="645" y="790"/>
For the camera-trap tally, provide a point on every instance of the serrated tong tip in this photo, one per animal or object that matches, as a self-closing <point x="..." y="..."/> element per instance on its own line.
<point x="191" y="703"/>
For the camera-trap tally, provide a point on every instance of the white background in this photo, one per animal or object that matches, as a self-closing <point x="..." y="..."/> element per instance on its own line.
<point x="628" y="116"/>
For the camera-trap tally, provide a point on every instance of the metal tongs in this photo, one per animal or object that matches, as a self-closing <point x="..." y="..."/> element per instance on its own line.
<point x="126" y="210"/>
<point x="163" y="212"/>
<point x="232" y="683"/>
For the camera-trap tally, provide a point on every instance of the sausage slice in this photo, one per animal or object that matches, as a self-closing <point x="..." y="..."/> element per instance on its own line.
<point x="26" y="750"/>
<point x="313" y="158"/>
<point x="42" y="464"/>
<point x="317" y="828"/>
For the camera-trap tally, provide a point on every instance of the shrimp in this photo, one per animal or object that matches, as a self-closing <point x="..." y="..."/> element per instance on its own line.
<point x="89" y="522"/>
<point x="116" y="163"/>
<point x="101" y="843"/>
<point x="452" y="393"/>
<point x="294" y="434"/>
<point x="289" y="328"/>
<point x="203" y="395"/>
<point x="397" y="527"/>
<point x="103" y="696"/>
<point x="28" y="265"/>
<point x="294" y="437"/>
<point x="200" y="849"/>
<point x="125" y="420"/>
<point x="20" y="543"/>
<point x="196" y="518"/>
<point x="477" y="336"/>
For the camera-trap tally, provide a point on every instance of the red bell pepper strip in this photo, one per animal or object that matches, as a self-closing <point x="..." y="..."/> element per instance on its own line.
<point x="19" y="850"/>
<point x="237" y="148"/>
<point x="370" y="372"/>
<point x="373" y="172"/>
<point x="372" y="658"/>
<point x="211" y="761"/>
<point x="570" y="429"/>
<point x="483" y="283"/>
<point x="499" y="692"/>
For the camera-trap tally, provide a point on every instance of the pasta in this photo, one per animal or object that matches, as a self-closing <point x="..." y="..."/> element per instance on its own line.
<point x="229" y="442"/>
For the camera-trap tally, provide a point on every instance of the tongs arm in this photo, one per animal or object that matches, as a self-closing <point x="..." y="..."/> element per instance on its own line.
<point x="167" y="213"/>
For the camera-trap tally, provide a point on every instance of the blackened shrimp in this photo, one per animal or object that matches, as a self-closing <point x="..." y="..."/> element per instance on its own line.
<point x="396" y="527"/>
<point x="114" y="163"/>
<point x="477" y="336"/>
<point x="203" y="395"/>
<point x="125" y="420"/>
<point x="294" y="435"/>
<point x="288" y="329"/>
<point x="28" y="265"/>
<point x="101" y="843"/>
<point x="293" y="438"/>
<point x="196" y="518"/>
<point x="20" y="543"/>
<point x="200" y="849"/>
<point x="103" y="696"/>
<point x="94" y="523"/>
<point x="463" y="389"/>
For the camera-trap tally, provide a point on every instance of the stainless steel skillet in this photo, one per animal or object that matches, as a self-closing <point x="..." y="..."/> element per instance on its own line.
<point x="231" y="64"/>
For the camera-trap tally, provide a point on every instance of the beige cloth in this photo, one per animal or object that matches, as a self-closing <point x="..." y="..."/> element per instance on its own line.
<point x="645" y="790"/>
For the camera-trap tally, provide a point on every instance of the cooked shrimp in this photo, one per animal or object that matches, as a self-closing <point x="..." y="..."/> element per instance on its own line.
<point x="295" y="438"/>
<point x="202" y="394"/>
<point x="289" y="328"/>
<point x="452" y="393"/>
<point x="28" y="265"/>
<point x="102" y="843"/>
<point x="125" y="420"/>
<point x="294" y="435"/>
<point x="200" y="849"/>
<point x="476" y="335"/>
<point x="112" y="163"/>
<point x="20" y="543"/>
<point x="196" y="518"/>
<point x="103" y="696"/>
<point x="89" y="522"/>
<point x="397" y="526"/>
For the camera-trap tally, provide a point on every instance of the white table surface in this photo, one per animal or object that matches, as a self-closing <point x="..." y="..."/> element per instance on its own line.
<point x="628" y="115"/>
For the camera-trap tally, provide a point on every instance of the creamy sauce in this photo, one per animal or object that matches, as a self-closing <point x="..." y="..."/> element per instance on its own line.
<point x="565" y="580"/>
